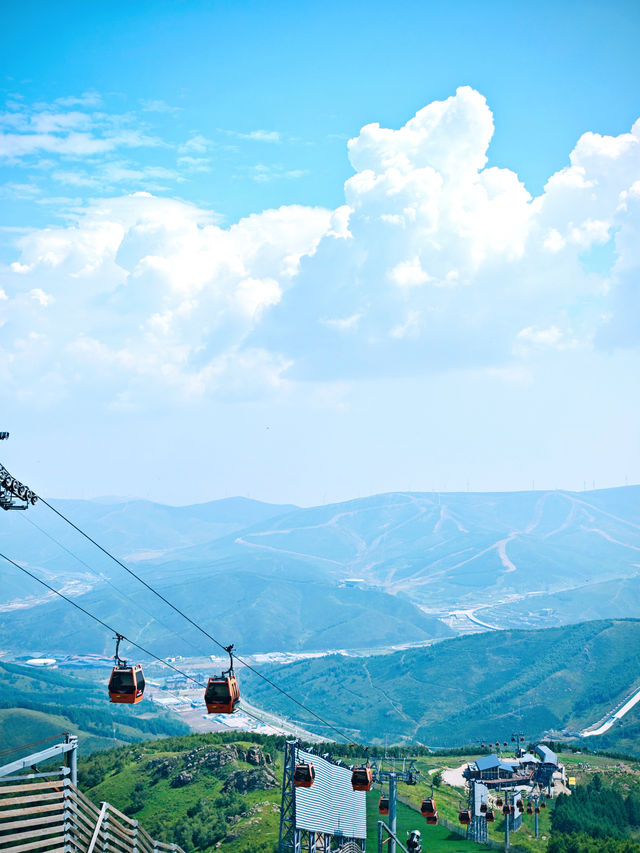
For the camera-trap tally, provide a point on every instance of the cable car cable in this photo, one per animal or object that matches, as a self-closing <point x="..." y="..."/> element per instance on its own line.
<point x="33" y="743"/>
<point x="195" y="624"/>
<point x="102" y="577"/>
<point x="97" y="619"/>
<point x="106" y="625"/>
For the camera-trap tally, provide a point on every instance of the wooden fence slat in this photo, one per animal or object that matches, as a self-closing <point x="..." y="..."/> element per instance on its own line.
<point x="40" y="831"/>
<point x="81" y="817"/>
<point x="119" y="831"/>
<point x="55" y="807"/>
<point x="52" y="810"/>
<point x="37" y="845"/>
<point x="30" y="798"/>
<point x="144" y="846"/>
<point x="35" y="821"/>
<point x="81" y="833"/>
<point x="119" y="844"/>
<point x="114" y="810"/>
<point x="32" y="786"/>
<point x="85" y="801"/>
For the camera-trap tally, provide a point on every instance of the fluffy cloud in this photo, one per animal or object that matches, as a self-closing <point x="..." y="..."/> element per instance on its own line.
<point x="434" y="261"/>
<point x="145" y="290"/>
<point x="447" y="263"/>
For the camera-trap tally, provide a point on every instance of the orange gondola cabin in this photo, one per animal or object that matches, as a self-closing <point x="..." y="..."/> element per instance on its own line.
<point x="126" y="685"/>
<point x="383" y="805"/>
<point x="303" y="775"/>
<point x="432" y="819"/>
<point x="361" y="778"/>
<point x="428" y="807"/>
<point x="222" y="693"/>
<point x="464" y="816"/>
<point x="490" y="816"/>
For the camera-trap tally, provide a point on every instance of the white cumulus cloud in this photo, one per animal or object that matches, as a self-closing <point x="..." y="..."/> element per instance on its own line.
<point x="435" y="261"/>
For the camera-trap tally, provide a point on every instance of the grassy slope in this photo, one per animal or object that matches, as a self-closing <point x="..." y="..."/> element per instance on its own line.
<point x="257" y="827"/>
<point x="37" y="703"/>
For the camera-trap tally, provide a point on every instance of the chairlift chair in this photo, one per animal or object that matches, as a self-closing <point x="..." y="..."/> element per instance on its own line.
<point x="126" y="684"/>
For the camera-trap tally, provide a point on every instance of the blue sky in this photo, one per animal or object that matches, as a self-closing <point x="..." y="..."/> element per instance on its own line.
<point x="196" y="263"/>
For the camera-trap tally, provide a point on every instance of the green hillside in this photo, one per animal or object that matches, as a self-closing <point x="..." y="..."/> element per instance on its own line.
<point x="190" y="790"/>
<point x="471" y="688"/>
<point x="222" y="792"/>
<point x="37" y="703"/>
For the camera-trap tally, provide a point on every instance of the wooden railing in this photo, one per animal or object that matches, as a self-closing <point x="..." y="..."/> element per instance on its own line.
<point x="45" y="813"/>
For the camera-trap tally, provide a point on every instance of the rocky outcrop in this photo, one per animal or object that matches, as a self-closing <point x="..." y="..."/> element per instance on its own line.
<point x="243" y="781"/>
<point x="257" y="757"/>
<point x="182" y="779"/>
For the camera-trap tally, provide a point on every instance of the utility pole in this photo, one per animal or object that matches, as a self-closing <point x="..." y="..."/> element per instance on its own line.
<point x="13" y="493"/>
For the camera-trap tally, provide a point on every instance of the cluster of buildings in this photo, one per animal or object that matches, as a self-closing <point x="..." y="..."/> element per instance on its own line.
<point x="538" y="767"/>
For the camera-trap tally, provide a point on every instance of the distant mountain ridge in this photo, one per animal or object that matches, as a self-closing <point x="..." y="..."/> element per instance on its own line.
<point x="272" y="577"/>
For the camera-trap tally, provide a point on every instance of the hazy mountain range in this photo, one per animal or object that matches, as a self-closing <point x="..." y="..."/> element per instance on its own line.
<point x="272" y="577"/>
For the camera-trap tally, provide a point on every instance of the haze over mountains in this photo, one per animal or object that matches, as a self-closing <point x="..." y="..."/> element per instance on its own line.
<point x="271" y="577"/>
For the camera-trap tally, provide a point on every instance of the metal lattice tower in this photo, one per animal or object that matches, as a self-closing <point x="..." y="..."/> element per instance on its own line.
<point x="294" y="840"/>
<point x="13" y="493"/>
<point x="478" y="829"/>
<point x="288" y="835"/>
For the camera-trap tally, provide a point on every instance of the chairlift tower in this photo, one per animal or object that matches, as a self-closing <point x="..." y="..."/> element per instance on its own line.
<point x="13" y="493"/>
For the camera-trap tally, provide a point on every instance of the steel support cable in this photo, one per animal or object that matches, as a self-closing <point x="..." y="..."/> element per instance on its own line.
<point x="112" y="585"/>
<point x="33" y="743"/>
<point x="105" y="625"/>
<point x="97" y="618"/>
<point x="195" y="625"/>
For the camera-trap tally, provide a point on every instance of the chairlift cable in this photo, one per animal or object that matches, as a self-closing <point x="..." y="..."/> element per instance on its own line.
<point x="196" y="625"/>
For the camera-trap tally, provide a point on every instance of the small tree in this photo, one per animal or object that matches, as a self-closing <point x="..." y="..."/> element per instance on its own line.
<point x="437" y="779"/>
